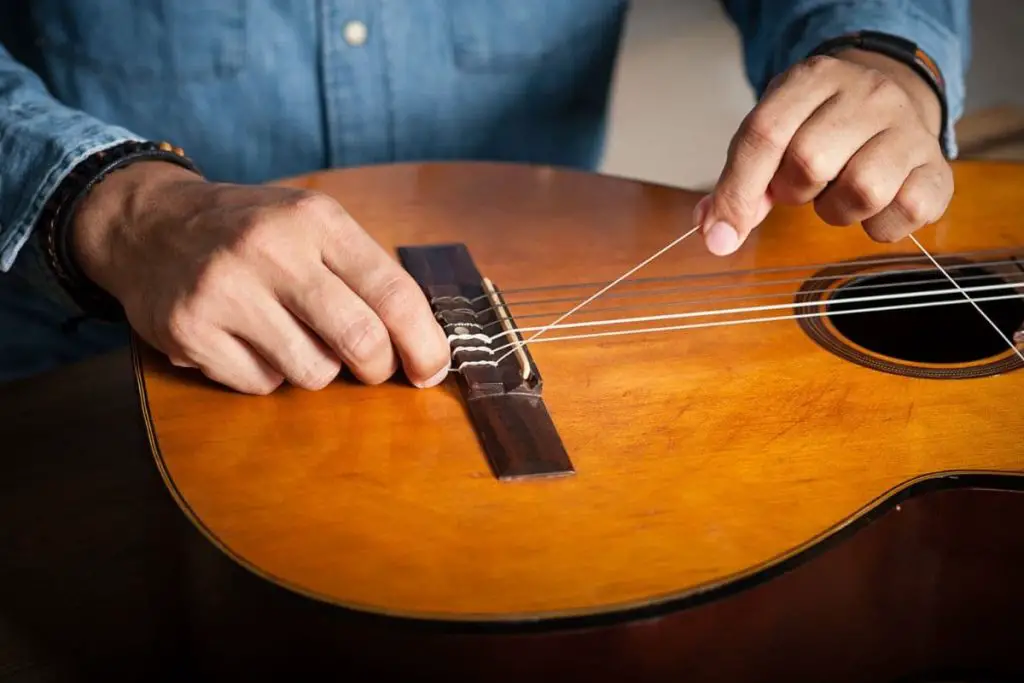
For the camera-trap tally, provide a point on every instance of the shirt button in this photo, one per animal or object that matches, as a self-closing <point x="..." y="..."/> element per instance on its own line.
<point x="355" y="33"/>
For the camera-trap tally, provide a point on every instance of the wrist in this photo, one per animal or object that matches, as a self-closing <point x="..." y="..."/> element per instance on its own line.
<point x="888" y="53"/>
<point x="116" y="209"/>
<point x="63" y="216"/>
<point x="926" y="101"/>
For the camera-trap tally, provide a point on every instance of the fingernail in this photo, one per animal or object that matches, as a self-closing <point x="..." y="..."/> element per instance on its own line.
<point x="435" y="380"/>
<point x="701" y="210"/>
<point x="722" y="239"/>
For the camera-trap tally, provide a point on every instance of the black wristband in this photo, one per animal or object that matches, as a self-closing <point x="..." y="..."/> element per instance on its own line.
<point x="56" y="217"/>
<point x="902" y="50"/>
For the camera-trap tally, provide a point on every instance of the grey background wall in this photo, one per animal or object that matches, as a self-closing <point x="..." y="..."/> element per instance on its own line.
<point x="681" y="92"/>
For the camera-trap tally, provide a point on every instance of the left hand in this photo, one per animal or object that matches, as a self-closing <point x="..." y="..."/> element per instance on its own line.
<point x="857" y="134"/>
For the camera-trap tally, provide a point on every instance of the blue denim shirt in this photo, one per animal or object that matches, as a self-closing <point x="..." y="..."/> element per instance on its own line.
<point x="261" y="89"/>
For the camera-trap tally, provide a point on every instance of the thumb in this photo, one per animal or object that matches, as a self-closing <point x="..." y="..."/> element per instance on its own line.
<point x="725" y="231"/>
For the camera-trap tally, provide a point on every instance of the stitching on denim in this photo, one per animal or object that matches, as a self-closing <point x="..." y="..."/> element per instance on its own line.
<point x="27" y="212"/>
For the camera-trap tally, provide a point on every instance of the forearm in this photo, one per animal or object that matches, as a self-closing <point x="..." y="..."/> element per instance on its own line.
<point x="41" y="140"/>
<point x="777" y="34"/>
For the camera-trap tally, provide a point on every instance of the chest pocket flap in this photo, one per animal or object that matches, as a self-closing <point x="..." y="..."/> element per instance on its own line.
<point x="167" y="39"/>
<point x="494" y="35"/>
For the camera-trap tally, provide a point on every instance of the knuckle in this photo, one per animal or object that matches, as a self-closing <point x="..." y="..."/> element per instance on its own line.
<point x="189" y="314"/>
<point x="811" y="68"/>
<point x="806" y="69"/>
<point x="863" y="193"/>
<point x="316" y="375"/>
<point x="731" y="203"/>
<point x="759" y="132"/>
<point x="260" y="381"/>
<point x="393" y="298"/>
<point x="811" y="161"/>
<point x="362" y="338"/>
<point x="915" y="205"/>
<point x="184" y="321"/>
<point x="256" y="235"/>
<point x="316" y="204"/>
<point x="940" y="203"/>
<point x="817" y="63"/>
<point x="885" y="92"/>
<point x="210" y="281"/>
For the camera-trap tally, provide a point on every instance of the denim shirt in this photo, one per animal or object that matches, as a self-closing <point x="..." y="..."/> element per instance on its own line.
<point x="260" y="89"/>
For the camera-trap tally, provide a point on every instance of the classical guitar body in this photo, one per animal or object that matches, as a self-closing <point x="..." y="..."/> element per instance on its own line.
<point x="803" y="462"/>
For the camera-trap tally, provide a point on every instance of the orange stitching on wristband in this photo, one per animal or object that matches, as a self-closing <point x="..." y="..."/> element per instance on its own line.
<point x="927" y="62"/>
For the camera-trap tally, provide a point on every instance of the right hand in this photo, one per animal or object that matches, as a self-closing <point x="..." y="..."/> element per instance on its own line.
<point x="254" y="285"/>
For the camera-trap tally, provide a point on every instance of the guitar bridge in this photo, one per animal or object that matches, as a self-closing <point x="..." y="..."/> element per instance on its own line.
<point x="497" y="376"/>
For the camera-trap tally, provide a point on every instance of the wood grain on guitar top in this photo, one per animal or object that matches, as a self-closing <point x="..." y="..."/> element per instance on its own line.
<point x="700" y="456"/>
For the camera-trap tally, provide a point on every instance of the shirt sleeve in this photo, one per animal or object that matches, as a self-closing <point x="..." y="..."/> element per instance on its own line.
<point x="777" y="34"/>
<point x="41" y="140"/>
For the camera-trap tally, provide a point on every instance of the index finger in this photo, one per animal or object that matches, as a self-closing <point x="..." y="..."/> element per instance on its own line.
<point x="756" y="152"/>
<point x="394" y="296"/>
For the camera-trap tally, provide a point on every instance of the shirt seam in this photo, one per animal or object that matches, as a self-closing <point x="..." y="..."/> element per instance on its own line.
<point x="28" y="211"/>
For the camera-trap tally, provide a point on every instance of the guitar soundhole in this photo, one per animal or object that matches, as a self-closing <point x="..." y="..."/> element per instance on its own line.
<point x="896" y="333"/>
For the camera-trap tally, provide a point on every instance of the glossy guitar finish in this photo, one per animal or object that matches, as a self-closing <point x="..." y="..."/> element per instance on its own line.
<point x="746" y="503"/>
<point x="703" y="458"/>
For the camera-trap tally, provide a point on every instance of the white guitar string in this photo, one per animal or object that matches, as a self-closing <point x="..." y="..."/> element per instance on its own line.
<point x="778" y="269"/>
<point x="557" y="323"/>
<point x="604" y="289"/>
<point x="858" y="287"/>
<point x="726" y="323"/>
<point x="728" y="311"/>
<point x="485" y="338"/>
<point x="472" y="349"/>
<point x="1013" y="347"/>
<point x="660" y="291"/>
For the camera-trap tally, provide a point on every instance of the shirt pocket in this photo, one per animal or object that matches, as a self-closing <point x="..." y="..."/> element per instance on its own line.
<point x="179" y="40"/>
<point x="495" y="35"/>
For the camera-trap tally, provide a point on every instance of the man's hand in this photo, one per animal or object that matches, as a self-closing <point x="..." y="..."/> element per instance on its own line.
<point x="254" y="285"/>
<point x="857" y="134"/>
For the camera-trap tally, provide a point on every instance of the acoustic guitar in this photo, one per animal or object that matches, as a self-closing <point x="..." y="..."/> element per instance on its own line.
<point x="803" y="462"/>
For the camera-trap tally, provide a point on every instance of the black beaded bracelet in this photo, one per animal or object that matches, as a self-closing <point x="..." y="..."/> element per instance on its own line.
<point x="57" y="216"/>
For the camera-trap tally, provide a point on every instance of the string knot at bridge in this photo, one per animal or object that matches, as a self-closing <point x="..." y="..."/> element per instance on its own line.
<point x="502" y="390"/>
